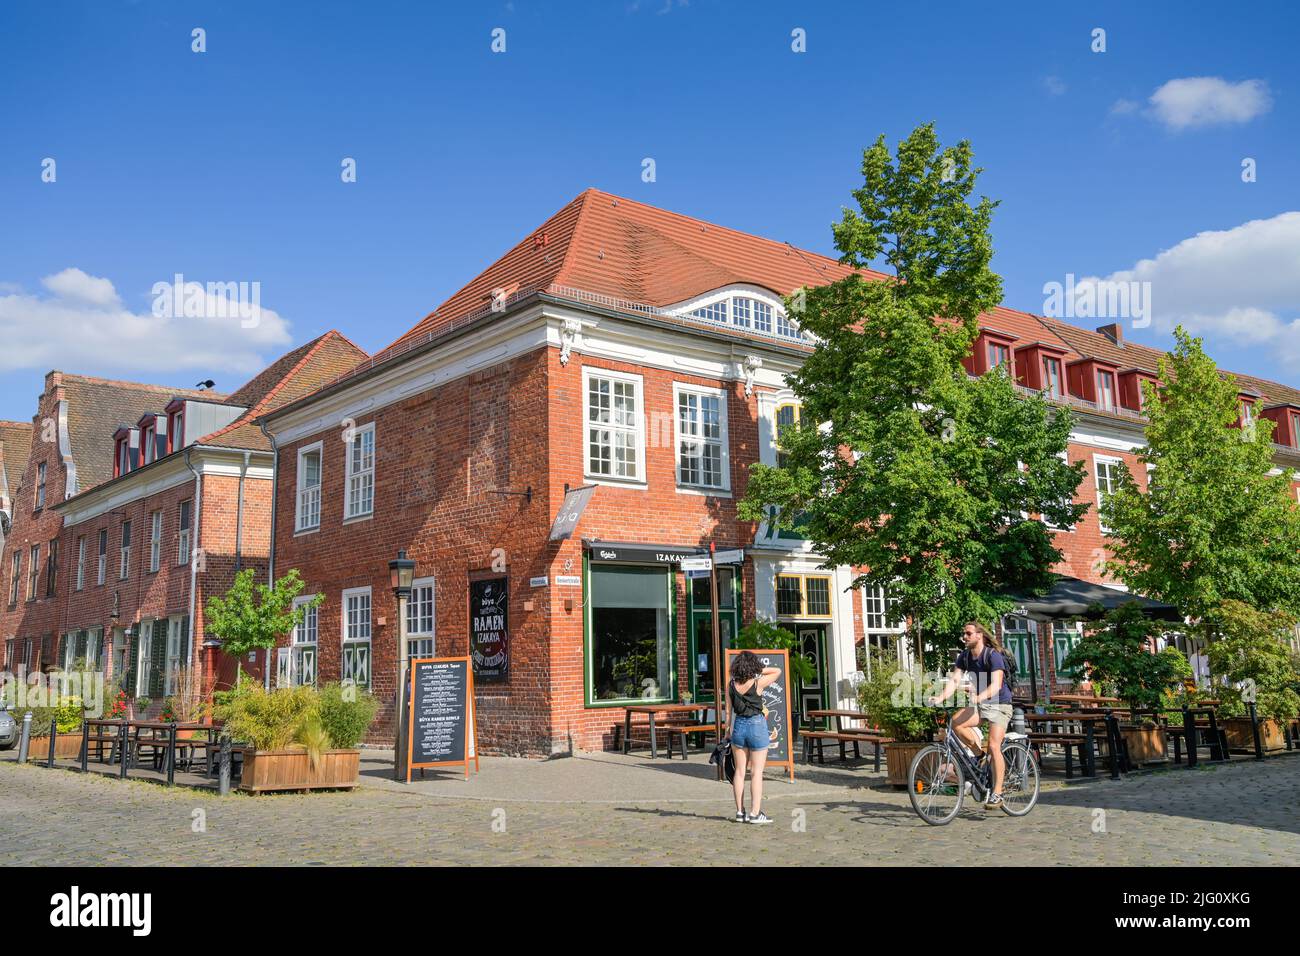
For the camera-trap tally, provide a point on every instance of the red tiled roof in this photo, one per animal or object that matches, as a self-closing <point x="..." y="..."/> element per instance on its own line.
<point x="611" y="246"/>
<point x="15" y="448"/>
<point x="287" y="379"/>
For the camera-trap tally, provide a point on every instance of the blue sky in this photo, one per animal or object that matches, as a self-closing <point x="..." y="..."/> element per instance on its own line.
<point x="225" y="165"/>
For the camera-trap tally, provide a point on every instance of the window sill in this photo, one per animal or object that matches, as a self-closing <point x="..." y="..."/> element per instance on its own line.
<point x="357" y="519"/>
<point x="704" y="492"/>
<point x="303" y="532"/>
<point x="608" y="482"/>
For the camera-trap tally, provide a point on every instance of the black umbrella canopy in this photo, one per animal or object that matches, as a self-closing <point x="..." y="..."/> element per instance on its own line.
<point x="1071" y="598"/>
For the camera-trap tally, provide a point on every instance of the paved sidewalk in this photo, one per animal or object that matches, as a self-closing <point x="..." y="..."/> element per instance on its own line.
<point x="607" y="809"/>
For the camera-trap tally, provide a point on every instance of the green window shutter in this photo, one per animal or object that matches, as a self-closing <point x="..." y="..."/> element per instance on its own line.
<point x="158" y="661"/>
<point x="132" y="662"/>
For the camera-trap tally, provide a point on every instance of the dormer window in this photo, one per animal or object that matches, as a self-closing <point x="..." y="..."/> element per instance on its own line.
<point x="1295" y="429"/>
<point x="991" y="349"/>
<point x="1052" y="377"/>
<point x="122" y="457"/>
<point x="747" y="308"/>
<point x="1105" y="390"/>
<point x="999" y="354"/>
<point x="1247" y="416"/>
<point x="175" y="426"/>
<point x="148" y="441"/>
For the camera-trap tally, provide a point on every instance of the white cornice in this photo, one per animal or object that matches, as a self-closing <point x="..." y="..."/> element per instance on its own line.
<point x="162" y="475"/>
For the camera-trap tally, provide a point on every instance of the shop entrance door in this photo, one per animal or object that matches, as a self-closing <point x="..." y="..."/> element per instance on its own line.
<point x="812" y="644"/>
<point x="700" y="638"/>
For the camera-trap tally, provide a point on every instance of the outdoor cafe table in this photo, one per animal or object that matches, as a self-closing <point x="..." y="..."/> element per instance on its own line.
<point x="1086" y="720"/>
<point x="1085" y="699"/>
<point x="839" y="717"/>
<point x="651" y="710"/>
<point x="158" y="735"/>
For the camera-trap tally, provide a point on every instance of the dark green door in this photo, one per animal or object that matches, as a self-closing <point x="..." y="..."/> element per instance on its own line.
<point x="812" y="644"/>
<point x="700" y="637"/>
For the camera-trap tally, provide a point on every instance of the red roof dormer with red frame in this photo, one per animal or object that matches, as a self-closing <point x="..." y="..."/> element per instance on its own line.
<point x="1041" y="366"/>
<point x="1094" y="380"/>
<point x="1286" y="423"/>
<point x="1130" y="387"/>
<point x="126" y="450"/>
<point x="991" y="348"/>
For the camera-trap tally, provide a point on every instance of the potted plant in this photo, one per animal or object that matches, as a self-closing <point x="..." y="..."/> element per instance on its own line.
<point x="296" y="739"/>
<point x="890" y="699"/>
<point x="1250" y="653"/>
<point x="67" y="715"/>
<point x="1118" y="656"/>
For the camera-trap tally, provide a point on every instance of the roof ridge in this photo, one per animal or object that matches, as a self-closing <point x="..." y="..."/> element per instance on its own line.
<point x="165" y="389"/>
<point x="6" y="423"/>
<point x="313" y="348"/>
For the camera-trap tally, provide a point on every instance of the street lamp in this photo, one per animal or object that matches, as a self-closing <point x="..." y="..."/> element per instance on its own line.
<point x="401" y="572"/>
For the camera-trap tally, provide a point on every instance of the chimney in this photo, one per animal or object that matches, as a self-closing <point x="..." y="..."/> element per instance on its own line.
<point x="1114" y="332"/>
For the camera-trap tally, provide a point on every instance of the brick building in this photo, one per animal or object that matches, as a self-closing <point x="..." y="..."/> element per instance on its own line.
<point x="15" y="445"/>
<point x="147" y="501"/>
<point x="643" y="353"/>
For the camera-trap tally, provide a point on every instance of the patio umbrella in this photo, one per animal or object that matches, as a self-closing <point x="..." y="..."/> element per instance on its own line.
<point x="1071" y="598"/>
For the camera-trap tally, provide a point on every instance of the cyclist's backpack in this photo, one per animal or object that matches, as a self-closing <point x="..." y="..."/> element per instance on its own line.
<point x="1009" y="672"/>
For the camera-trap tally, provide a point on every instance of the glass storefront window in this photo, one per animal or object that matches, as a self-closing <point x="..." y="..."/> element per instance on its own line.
<point x="630" y="655"/>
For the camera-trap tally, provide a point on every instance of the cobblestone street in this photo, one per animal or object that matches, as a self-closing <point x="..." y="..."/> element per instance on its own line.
<point x="1241" y="814"/>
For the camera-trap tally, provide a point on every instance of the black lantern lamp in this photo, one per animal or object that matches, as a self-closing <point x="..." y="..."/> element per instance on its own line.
<point x="401" y="572"/>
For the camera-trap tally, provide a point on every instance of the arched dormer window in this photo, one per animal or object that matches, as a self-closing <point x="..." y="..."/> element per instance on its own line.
<point x="746" y="308"/>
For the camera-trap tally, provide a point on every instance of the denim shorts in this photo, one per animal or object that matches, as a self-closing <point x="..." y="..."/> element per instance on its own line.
<point x="750" y="733"/>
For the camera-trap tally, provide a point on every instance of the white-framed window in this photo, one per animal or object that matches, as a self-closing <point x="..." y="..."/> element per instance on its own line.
<point x="703" y="459"/>
<point x="144" y="659"/>
<point x="1106" y="471"/>
<point x="742" y="312"/>
<point x="102" y="568"/>
<point x="713" y="312"/>
<point x="148" y="443"/>
<point x="614" y="445"/>
<point x="1105" y="390"/>
<point x="361" y="472"/>
<point x="124" y="552"/>
<point x="1065" y="457"/>
<point x="301" y="655"/>
<point x="70" y="649"/>
<point x="420" y="623"/>
<point x="1052" y="376"/>
<point x="33" y="571"/>
<point x="786" y="326"/>
<point x="356" y="636"/>
<point x="81" y="562"/>
<point x="309" y="478"/>
<point x="155" y="540"/>
<point x="763" y="317"/>
<point x="15" y="575"/>
<point x="177" y="632"/>
<point x="40" y="486"/>
<point x="94" y="644"/>
<point x="183" y="535"/>
<point x="877" y="602"/>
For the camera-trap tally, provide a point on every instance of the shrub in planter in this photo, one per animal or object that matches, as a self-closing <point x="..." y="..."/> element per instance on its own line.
<point x="346" y="714"/>
<point x="1117" y="655"/>
<point x="888" y="698"/>
<point x="1251" y="653"/>
<point x="267" y="720"/>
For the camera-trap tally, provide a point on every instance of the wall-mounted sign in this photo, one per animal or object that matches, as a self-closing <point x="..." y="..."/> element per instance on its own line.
<point x="641" y="553"/>
<point x="697" y="564"/>
<point x="541" y="582"/>
<point x="735" y="556"/>
<point x="489" y="635"/>
<point x="569" y="580"/>
<point x="440" y="714"/>
<point x="575" y="501"/>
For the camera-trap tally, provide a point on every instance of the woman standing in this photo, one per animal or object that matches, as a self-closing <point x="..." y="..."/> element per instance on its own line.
<point x="749" y="734"/>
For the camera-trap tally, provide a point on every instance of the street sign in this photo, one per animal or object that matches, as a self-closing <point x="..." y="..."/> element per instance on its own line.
<point x="697" y="564"/>
<point x="736" y="556"/>
<point x="702" y="573"/>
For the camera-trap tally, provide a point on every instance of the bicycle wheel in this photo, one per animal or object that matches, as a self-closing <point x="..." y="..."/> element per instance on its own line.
<point x="935" y="785"/>
<point x="1020" y="782"/>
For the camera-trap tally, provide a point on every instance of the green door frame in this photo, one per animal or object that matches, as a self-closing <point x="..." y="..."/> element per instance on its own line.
<point x="800" y="628"/>
<point x="701" y="620"/>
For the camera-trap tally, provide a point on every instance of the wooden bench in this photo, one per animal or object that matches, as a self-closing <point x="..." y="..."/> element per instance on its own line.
<point x="819" y="737"/>
<point x="1066" y="741"/>
<point x="681" y="732"/>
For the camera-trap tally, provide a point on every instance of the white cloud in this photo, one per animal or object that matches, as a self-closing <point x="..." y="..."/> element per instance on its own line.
<point x="1238" y="287"/>
<point x="81" y="325"/>
<point x="1054" y="85"/>
<point x="1207" y="101"/>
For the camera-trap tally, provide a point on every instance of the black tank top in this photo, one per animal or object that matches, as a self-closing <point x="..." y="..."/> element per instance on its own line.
<point x="749" y="704"/>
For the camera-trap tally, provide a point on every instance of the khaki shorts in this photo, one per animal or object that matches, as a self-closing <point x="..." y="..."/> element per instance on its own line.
<point x="998" y="715"/>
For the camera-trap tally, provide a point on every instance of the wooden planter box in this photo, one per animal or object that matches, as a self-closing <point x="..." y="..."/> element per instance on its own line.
<point x="1240" y="738"/>
<point x="1146" y="744"/>
<point x="898" y="757"/>
<point x="66" y="747"/>
<point x="291" y="770"/>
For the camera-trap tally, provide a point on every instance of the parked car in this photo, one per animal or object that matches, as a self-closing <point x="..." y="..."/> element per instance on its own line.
<point x="8" y="728"/>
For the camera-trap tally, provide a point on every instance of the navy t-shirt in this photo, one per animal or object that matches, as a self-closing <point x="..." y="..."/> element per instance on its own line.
<point x="981" y="670"/>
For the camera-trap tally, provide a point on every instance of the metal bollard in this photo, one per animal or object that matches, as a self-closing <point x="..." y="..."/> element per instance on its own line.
<point x="25" y="740"/>
<point x="54" y="733"/>
<point x="85" y="744"/>
<point x="171" y="756"/>
<point x="1189" y="728"/>
<point x="1254" y="729"/>
<point x="223" y="768"/>
<point x="1018" y="720"/>
<point x="121" y="749"/>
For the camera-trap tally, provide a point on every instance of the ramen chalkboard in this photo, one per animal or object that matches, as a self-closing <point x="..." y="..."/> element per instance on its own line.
<point x="776" y="700"/>
<point x="440" y="714"/>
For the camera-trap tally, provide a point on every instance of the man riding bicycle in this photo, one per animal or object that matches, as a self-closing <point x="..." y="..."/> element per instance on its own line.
<point x="984" y="661"/>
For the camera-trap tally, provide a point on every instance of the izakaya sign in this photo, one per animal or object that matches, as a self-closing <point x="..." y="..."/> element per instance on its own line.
<point x="488" y="632"/>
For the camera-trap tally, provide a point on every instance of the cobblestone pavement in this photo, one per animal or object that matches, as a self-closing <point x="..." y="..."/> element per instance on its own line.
<point x="1243" y="814"/>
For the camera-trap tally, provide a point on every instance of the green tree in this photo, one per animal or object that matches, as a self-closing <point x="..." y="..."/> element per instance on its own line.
<point x="1212" y="525"/>
<point x="902" y="463"/>
<point x="760" y="634"/>
<point x="1251" y="652"/>
<point x="252" y="616"/>
<point x="1118" y="654"/>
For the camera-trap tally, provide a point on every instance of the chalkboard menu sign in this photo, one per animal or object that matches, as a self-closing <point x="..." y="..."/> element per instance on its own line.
<point x="440" y="714"/>
<point x="776" y="698"/>
<point x="489" y="636"/>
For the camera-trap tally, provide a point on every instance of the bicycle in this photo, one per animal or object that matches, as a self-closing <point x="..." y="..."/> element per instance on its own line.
<point x="941" y="772"/>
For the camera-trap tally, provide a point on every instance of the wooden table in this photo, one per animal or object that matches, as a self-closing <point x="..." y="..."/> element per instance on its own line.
<point x="650" y="710"/>
<point x="842" y="715"/>
<point x="1085" y="699"/>
<point x="157" y="734"/>
<point x="841" y="734"/>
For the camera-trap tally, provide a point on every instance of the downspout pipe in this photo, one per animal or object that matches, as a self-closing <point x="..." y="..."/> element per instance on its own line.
<point x="239" y="517"/>
<point x="270" y="559"/>
<point x="195" y="550"/>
